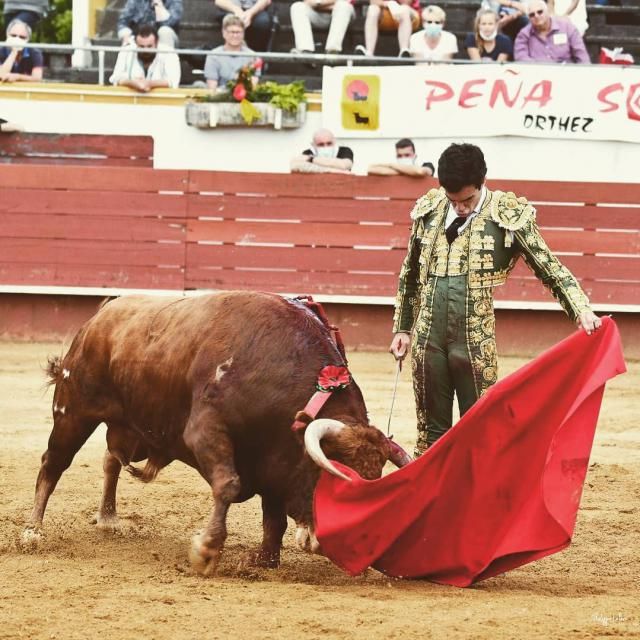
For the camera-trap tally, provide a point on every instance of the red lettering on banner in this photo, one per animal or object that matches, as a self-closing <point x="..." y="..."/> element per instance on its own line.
<point x="633" y="102"/>
<point x="603" y="94"/>
<point x="500" y="88"/>
<point x="540" y="93"/>
<point x="446" y="92"/>
<point x="467" y="94"/>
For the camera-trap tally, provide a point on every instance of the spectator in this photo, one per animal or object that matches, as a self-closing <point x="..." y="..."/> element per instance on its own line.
<point x="9" y="127"/>
<point x="388" y="15"/>
<point x="218" y="70"/>
<point x="144" y="71"/>
<point x="335" y="15"/>
<point x="574" y="10"/>
<point x="255" y="17"/>
<point x="28" y="11"/>
<point x="19" y="63"/>
<point x="323" y="156"/>
<point x="432" y="43"/>
<point x="548" y="39"/>
<point x="164" y="14"/>
<point x="485" y="43"/>
<point x="512" y="15"/>
<point x="406" y="163"/>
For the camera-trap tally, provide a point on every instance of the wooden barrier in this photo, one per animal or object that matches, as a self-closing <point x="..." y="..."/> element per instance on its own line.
<point x="332" y="236"/>
<point x="76" y="149"/>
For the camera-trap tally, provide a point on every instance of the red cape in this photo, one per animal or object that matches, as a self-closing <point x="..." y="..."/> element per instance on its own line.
<point x="502" y="488"/>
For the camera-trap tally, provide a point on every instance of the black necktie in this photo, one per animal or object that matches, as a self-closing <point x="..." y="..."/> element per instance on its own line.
<point x="452" y="229"/>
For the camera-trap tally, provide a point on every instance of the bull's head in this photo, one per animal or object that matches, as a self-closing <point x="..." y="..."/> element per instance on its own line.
<point x="363" y="448"/>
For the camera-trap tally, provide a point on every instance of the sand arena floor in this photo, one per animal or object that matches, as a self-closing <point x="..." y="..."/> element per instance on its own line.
<point x="83" y="583"/>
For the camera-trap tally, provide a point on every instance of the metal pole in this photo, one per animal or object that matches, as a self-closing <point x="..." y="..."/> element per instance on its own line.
<point x="101" y="66"/>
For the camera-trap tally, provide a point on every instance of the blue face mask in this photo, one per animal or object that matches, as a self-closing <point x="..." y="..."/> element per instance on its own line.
<point x="432" y="30"/>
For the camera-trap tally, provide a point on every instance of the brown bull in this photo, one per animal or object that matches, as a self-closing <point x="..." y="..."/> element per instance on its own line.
<point x="215" y="382"/>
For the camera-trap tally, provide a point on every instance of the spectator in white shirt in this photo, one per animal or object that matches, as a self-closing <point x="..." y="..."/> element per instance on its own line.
<point x="433" y="43"/>
<point x="142" y="71"/>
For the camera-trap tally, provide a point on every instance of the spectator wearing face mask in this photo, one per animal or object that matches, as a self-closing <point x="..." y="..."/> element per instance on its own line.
<point x="324" y="156"/>
<point x="485" y="43"/>
<point x="18" y="62"/>
<point x="144" y="71"/>
<point x="406" y="163"/>
<point x="433" y="43"/>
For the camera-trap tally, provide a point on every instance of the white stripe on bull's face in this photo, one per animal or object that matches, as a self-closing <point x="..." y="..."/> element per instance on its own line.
<point x="223" y="369"/>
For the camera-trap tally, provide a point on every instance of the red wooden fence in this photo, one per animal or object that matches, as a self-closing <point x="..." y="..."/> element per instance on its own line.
<point x="76" y="149"/>
<point x="325" y="235"/>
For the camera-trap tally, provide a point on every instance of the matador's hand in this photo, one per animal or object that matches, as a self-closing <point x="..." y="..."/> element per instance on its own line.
<point x="400" y="346"/>
<point x="589" y="321"/>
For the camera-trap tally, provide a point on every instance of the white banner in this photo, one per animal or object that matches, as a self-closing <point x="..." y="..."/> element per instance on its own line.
<point x="579" y="102"/>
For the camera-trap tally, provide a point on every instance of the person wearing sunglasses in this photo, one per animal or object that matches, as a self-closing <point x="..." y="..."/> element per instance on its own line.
<point x="548" y="38"/>
<point x="433" y="43"/>
<point x="18" y="62"/>
<point x="465" y="240"/>
<point x="324" y="156"/>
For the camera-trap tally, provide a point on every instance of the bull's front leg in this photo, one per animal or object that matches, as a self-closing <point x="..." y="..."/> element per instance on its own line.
<point x="207" y="438"/>
<point x="274" y="526"/>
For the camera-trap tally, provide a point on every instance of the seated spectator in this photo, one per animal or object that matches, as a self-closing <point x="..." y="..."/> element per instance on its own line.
<point x="28" y="11"/>
<point x="432" y="43"/>
<point x="548" y="39"/>
<point x="406" y="163"/>
<point x="164" y="14"/>
<point x="9" y="127"/>
<point x="485" y="43"/>
<point x="255" y="17"/>
<point x="335" y="15"/>
<point x="142" y="71"/>
<point x="323" y="156"/>
<point x="218" y="70"/>
<point x="511" y="13"/>
<point x="574" y="10"/>
<point x="388" y="15"/>
<point x="19" y="63"/>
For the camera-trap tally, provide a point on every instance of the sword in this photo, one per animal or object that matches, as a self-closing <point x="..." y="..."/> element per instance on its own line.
<point x="393" y="395"/>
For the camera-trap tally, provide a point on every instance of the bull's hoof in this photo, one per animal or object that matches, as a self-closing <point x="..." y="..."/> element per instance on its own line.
<point x="108" y="524"/>
<point x="303" y="538"/>
<point x="30" y="539"/>
<point x="203" y="559"/>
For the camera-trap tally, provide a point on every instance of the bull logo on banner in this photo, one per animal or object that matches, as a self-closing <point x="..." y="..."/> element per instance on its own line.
<point x="361" y="102"/>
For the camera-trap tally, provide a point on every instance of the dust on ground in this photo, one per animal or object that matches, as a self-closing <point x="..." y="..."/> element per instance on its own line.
<point x="83" y="583"/>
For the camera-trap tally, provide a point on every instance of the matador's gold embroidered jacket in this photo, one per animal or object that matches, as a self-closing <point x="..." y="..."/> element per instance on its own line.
<point x="486" y="251"/>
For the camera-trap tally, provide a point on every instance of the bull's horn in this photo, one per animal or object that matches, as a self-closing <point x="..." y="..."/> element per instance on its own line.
<point x="398" y="455"/>
<point x="313" y="435"/>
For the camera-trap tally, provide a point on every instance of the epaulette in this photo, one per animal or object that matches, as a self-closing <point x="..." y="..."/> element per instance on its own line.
<point x="510" y="212"/>
<point x="427" y="203"/>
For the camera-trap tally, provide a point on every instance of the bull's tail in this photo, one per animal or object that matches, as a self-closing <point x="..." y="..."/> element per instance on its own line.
<point x="150" y="471"/>
<point x="53" y="370"/>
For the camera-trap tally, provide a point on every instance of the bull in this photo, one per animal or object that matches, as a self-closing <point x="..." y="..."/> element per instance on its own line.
<point x="213" y="381"/>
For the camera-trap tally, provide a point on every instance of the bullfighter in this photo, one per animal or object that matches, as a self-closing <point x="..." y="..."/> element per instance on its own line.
<point x="465" y="240"/>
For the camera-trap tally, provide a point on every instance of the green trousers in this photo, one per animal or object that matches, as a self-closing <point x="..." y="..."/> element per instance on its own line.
<point x="442" y="363"/>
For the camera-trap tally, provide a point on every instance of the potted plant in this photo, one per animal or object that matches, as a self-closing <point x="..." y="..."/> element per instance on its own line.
<point x="246" y="103"/>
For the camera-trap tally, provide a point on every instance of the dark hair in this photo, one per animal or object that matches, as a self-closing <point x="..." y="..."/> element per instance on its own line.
<point x="405" y="142"/>
<point x="461" y="165"/>
<point x="146" y="30"/>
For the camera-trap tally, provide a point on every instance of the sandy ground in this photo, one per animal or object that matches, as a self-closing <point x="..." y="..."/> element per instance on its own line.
<point x="83" y="583"/>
